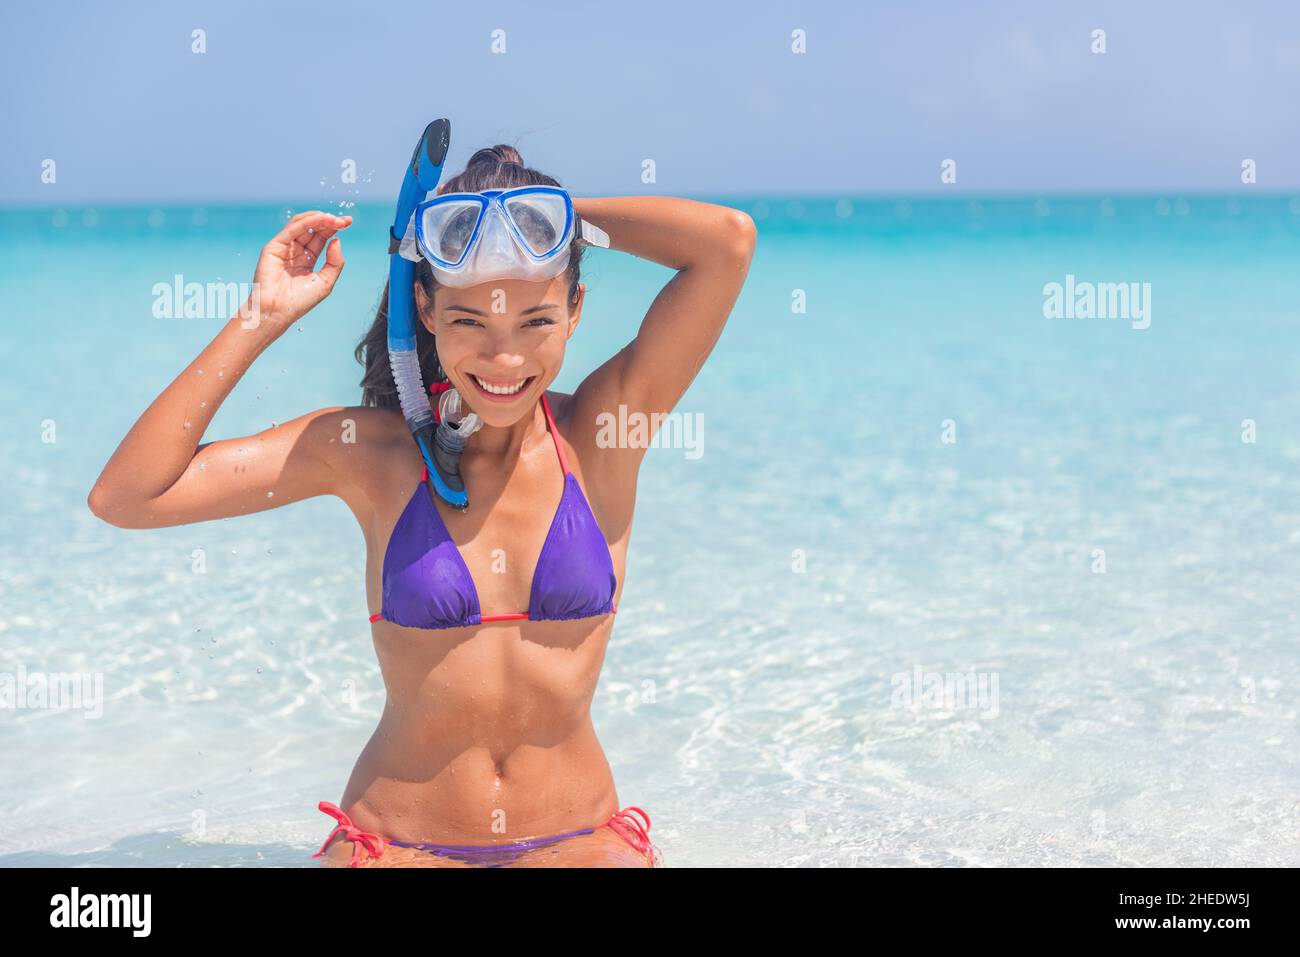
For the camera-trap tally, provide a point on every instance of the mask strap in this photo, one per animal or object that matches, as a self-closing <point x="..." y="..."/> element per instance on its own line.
<point x="591" y="234"/>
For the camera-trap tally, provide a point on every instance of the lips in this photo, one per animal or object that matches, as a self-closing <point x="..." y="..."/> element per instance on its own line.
<point x="501" y="390"/>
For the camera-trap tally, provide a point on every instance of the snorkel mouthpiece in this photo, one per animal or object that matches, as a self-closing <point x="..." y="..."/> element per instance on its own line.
<point x="448" y="445"/>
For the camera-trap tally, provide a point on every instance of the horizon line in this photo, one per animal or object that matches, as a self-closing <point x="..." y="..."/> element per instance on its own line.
<point x="301" y="203"/>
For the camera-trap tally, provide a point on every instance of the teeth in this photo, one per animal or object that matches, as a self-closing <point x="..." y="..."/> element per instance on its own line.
<point x="500" y="389"/>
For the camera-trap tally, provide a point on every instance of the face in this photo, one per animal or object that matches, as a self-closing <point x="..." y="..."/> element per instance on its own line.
<point x="501" y="343"/>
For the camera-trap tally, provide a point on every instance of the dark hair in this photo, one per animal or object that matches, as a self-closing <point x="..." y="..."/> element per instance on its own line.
<point x="497" y="167"/>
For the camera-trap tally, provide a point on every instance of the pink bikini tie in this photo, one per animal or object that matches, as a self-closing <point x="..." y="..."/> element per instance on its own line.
<point x="630" y="829"/>
<point x="359" y="838"/>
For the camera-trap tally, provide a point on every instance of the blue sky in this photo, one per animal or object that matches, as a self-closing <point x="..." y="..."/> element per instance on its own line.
<point x="588" y="91"/>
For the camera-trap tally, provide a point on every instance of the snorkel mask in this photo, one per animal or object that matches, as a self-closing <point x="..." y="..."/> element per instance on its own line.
<point x="521" y="233"/>
<point x="467" y="239"/>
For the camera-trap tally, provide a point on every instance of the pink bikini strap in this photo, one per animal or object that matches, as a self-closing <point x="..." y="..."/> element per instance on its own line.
<point x="546" y="407"/>
<point x="626" y="826"/>
<point x="359" y="838"/>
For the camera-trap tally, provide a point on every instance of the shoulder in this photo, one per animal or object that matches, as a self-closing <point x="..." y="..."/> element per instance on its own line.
<point x="351" y="427"/>
<point x="569" y="420"/>
<point x="607" y="468"/>
<point x="352" y="439"/>
<point x="593" y="429"/>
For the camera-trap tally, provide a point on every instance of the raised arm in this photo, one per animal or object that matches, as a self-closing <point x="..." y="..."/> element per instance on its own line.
<point x="159" y="474"/>
<point x="711" y="248"/>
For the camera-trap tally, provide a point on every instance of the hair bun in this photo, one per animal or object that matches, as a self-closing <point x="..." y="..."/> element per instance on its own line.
<point x="499" y="155"/>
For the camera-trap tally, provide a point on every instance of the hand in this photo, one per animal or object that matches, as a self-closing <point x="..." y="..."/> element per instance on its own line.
<point x="285" y="285"/>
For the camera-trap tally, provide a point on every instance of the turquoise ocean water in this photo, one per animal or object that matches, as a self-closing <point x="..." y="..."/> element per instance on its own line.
<point x="918" y="472"/>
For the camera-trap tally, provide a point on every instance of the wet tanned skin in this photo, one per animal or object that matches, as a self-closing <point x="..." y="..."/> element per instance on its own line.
<point x="487" y="736"/>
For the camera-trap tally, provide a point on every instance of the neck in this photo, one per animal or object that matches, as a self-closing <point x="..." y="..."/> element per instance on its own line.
<point x="504" y="443"/>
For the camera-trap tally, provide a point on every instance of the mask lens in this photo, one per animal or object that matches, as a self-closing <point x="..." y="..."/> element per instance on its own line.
<point x="541" y="219"/>
<point x="448" y="227"/>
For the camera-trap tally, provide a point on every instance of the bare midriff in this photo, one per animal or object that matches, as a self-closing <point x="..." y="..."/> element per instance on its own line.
<point x="486" y="735"/>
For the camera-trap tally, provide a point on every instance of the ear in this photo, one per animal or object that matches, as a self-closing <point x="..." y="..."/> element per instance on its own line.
<point x="423" y="307"/>
<point x="575" y="311"/>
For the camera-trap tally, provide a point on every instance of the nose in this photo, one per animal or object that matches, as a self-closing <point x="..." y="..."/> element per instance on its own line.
<point x="503" y="354"/>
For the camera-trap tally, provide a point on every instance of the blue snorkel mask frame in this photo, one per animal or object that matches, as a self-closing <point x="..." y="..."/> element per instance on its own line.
<point x="422" y="176"/>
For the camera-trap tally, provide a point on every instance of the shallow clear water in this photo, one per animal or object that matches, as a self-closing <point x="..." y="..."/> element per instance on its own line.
<point x="827" y="542"/>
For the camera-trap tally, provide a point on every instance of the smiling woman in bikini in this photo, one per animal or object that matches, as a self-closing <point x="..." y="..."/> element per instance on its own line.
<point x="490" y="622"/>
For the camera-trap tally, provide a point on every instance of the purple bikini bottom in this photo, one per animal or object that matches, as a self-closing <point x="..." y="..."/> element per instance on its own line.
<point x="490" y="855"/>
<point x="632" y="824"/>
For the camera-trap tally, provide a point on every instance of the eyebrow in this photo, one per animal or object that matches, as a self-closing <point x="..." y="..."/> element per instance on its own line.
<point x="528" y="311"/>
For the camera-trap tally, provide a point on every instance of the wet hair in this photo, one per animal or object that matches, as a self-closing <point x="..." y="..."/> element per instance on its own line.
<point x="496" y="167"/>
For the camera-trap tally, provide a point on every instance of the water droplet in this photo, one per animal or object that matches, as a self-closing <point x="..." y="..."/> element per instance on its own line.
<point x="270" y="495"/>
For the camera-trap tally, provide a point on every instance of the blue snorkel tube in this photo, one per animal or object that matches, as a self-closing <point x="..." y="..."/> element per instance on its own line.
<point x="422" y="176"/>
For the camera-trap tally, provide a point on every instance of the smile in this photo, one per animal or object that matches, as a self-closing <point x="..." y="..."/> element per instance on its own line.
<point x="501" y="389"/>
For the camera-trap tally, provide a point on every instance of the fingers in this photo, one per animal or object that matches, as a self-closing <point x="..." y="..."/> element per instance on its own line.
<point x="333" y="264"/>
<point x="293" y="254"/>
<point x="319" y="237"/>
<point x="310" y="244"/>
<point x="303" y="237"/>
<point x="304" y="225"/>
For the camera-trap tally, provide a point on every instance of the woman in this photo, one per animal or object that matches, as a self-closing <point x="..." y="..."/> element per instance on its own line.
<point x="485" y="752"/>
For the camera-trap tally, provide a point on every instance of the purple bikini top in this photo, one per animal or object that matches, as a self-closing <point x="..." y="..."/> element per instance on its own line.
<point x="426" y="583"/>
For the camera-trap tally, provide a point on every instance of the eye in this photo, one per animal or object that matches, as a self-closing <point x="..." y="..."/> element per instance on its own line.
<point x="466" y="320"/>
<point x="539" y="321"/>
